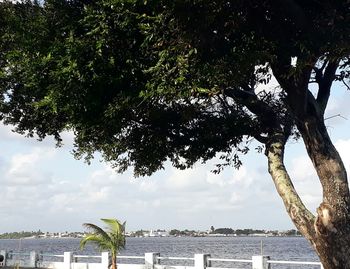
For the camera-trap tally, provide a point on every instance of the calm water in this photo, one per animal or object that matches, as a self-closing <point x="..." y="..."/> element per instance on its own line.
<point x="289" y="248"/>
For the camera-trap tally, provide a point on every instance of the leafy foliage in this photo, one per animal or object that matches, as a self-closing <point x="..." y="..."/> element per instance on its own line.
<point x="143" y="82"/>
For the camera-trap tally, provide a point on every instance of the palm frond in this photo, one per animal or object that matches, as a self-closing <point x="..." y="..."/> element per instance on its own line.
<point x="116" y="232"/>
<point x="89" y="238"/>
<point x="97" y="231"/>
<point x="111" y="239"/>
<point x="115" y="226"/>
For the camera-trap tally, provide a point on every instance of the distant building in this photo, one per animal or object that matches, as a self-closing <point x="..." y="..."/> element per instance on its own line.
<point x="158" y="233"/>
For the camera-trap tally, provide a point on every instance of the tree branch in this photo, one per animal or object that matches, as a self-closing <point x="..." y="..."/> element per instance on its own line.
<point x="346" y="85"/>
<point x="319" y="71"/>
<point x="301" y="216"/>
<point x="313" y="106"/>
<point x="325" y="81"/>
<point x="254" y="105"/>
<point x="295" y="84"/>
<point x="261" y="139"/>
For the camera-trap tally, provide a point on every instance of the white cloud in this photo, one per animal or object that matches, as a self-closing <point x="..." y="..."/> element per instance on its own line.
<point x="189" y="194"/>
<point x="148" y="186"/>
<point x="338" y="112"/>
<point x="186" y="179"/>
<point x="343" y="147"/>
<point x="306" y="180"/>
<point x="236" y="198"/>
<point x="23" y="168"/>
<point x="6" y="133"/>
<point x="302" y="169"/>
<point x="50" y="190"/>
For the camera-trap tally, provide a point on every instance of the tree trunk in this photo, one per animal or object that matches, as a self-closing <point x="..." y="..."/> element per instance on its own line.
<point x="114" y="262"/>
<point x="329" y="232"/>
<point x="300" y="215"/>
<point x="332" y="225"/>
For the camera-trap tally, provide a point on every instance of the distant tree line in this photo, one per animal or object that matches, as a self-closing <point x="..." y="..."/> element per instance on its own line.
<point x="139" y="233"/>
<point x="39" y="233"/>
<point x="230" y="231"/>
<point x="18" y="235"/>
<point x="239" y="232"/>
<point x="186" y="232"/>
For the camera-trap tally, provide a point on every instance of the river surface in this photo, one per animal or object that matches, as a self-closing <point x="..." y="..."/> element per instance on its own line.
<point x="278" y="248"/>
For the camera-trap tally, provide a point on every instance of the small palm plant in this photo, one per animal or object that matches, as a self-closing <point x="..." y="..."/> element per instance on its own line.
<point x="111" y="239"/>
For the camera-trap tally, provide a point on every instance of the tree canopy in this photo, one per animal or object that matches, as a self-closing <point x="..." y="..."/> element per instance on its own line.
<point x="144" y="82"/>
<point x="171" y="78"/>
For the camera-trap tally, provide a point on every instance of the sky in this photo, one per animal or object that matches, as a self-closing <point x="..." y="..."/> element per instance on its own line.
<point x="44" y="187"/>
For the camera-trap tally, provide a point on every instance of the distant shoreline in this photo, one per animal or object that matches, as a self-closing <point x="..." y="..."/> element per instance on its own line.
<point x="208" y="236"/>
<point x="220" y="232"/>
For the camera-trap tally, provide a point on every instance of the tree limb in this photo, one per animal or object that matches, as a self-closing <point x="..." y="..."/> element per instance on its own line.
<point x="325" y="81"/>
<point x="345" y="84"/>
<point x="294" y="83"/>
<point x="319" y="71"/>
<point x="301" y="216"/>
<point x="254" y="105"/>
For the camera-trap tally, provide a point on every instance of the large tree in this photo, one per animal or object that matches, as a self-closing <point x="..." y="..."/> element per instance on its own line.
<point x="144" y="82"/>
